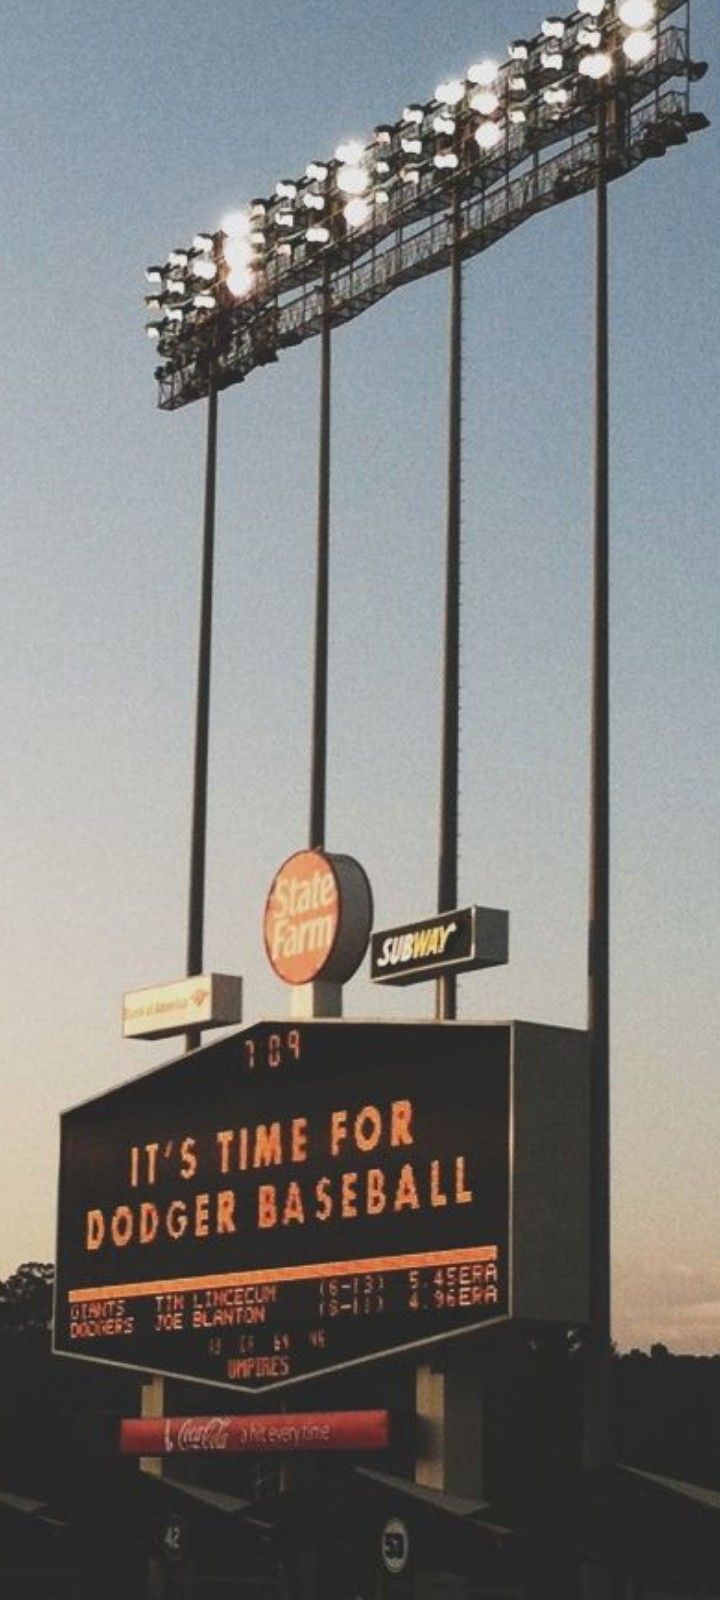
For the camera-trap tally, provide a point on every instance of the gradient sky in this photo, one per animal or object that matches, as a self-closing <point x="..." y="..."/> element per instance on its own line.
<point x="125" y="129"/>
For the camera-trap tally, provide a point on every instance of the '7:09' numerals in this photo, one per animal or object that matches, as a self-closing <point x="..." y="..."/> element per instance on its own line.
<point x="277" y="1050"/>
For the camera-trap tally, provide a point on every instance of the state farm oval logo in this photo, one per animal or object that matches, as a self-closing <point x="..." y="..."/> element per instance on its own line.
<point x="318" y="916"/>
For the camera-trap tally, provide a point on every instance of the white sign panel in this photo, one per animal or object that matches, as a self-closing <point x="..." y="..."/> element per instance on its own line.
<point x="211" y="1000"/>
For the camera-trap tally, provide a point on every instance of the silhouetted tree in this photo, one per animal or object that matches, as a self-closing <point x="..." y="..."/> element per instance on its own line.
<point x="26" y="1297"/>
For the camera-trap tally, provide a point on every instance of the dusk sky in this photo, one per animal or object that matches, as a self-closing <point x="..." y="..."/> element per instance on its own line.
<point x="125" y="130"/>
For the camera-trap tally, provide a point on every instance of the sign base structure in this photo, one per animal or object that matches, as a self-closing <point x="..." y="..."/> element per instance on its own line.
<point x="301" y="1197"/>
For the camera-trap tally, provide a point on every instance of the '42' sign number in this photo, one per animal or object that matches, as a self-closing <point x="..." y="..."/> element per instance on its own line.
<point x="174" y="1538"/>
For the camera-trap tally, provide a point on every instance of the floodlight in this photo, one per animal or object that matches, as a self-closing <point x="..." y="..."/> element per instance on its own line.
<point x="314" y="202"/>
<point x="485" y="101"/>
<point x="352" y="179"/>
<point x="445" y="125"/>
<point x="203" y="243"/>
<point x="636" y="13"/>
<point x="155" y="274"/>
<point x="411" y="147"/>
<point x="237" y="248"/>
<point x="556" y="96"/>
<point x="383" y="133"/>
<point x="152" y="330"/>
<point x="206" y="270"/>
<point x="357" y="211"/>
<point x="259" y="238"/>
<point x="594" y="8"/>
<point x="176" y="286"/>
<point x="175" y="314"/>
<point x="382" y="168"/>
<point x="204" y="302"/>
<point x="519" y="50"/>
<point x="317" y="170"/>
<point x="516" y="114"/>
<point x="596" y="65"/>
<point x="450" y="93"/>
<point x="553" y="27"/>
<point x="517" y="83"/>
<point x="179" y="258"/>
<point x="317" y="234"/>
<point x="240" y="280"/>
<point x="285" y="219"/>
<point x="488" y="135"/>
<point x="590" y="37"/>
<point x="236" y="224"/>
<point x="551" y="59"/>
<point x="445" y="159"/>
<point x="382" y="197"/>
<point x="286" y="189"/>
<point x="413" y="114"/>
<point x="483" y="73"/>
<point x="639" y="45"/>
<point x="350" y="153"/>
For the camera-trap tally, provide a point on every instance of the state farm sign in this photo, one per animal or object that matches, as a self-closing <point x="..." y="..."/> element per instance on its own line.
<point x="318" y="916"/>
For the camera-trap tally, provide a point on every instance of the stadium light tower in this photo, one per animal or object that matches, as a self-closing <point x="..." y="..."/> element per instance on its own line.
<point x="589" y="98"/>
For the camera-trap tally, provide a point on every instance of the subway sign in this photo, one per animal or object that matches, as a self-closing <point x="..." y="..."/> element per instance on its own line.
<point x="452" y="941"/>
<point x="298" y="1198"/>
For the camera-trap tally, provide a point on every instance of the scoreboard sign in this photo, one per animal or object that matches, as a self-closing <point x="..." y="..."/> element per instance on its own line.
<point x="297" y="1198"/>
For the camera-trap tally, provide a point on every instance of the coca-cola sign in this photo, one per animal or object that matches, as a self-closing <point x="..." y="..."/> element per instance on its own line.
<point x="196" y="1433"/>
<point x="300" y="1430"/>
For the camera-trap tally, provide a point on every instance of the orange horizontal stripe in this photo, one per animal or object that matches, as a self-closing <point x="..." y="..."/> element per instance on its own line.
<point x="316" y="1269"/>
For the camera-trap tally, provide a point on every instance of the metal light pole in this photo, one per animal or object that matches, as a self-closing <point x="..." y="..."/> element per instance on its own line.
<point x="446" y="985"/>
<point x="597" y="1429"/>
<point x="196" y="903"/>
<point x="319" y="712"/>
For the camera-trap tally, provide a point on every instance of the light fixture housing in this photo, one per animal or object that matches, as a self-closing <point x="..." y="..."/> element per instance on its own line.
<point x="357" y="211"/>
<point x="595" y="65"/>
<point x="636" y="13"/>
<point x="352" y="179"/>
<point x="485" y="101"/>
<point x="638" y="45"/>
<point x="451" y="92"/>
<point x="483" y="73"/>
<point x="488" y="136"/>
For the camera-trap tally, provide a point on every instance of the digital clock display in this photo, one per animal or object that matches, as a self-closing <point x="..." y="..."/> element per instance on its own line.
<point x="288" y="1201"/>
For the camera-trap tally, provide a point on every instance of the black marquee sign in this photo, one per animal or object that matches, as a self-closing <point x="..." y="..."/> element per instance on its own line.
<point x="288" y="1201"/>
